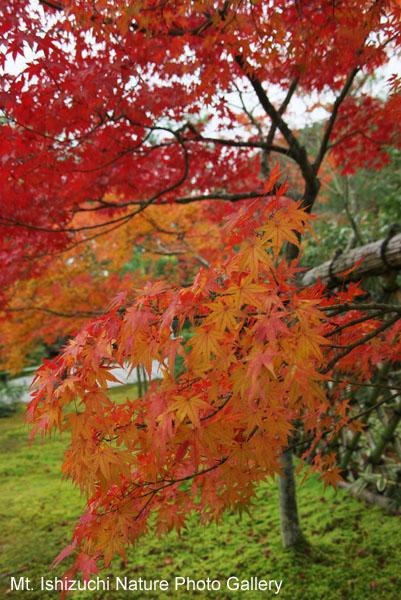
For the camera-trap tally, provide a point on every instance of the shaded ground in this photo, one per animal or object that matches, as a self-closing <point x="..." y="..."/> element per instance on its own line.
<point x="353" y="550"/>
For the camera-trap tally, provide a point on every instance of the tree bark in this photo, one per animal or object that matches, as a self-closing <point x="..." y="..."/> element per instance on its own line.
<point x="291" y="532"/>
<point x="378" y="258"/>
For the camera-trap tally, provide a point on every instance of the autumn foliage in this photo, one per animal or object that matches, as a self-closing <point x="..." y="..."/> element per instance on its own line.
<point x="77" y="284"/>
<point x="259" y="361"/>
<point x="126" y="107"/>
<point x="89" y="117"/>
<point x="121" y="120"/>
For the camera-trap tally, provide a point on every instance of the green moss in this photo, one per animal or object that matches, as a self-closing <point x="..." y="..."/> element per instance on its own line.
<point x="352" y="550"/>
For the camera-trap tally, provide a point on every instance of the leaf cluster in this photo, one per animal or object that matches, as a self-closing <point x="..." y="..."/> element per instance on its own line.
<point x="258" y="362"/>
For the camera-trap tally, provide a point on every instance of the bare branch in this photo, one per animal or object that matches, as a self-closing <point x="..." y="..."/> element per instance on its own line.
<point x="274" y="114"/>
<point x="333" y="116"/>
<point x="248" y="144"/>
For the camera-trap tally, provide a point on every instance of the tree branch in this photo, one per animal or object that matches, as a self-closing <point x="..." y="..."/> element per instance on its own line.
<point x="299" y="154"/>
<point x="78" y="313"/>
<point x="362" y="341"/>
<point x="274" y="114"/>
<point x="55" y="5"/>
<point x="372" y="263"/>
<point x="333" y="116"/>
<point x="248" y="144"/>
<point x="356" y="132"/>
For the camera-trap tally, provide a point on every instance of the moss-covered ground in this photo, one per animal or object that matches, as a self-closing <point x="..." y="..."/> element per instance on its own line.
<point x="352" y="550"/>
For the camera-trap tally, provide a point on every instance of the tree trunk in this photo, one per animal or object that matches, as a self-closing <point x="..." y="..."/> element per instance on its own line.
<point x="290" y="528"/>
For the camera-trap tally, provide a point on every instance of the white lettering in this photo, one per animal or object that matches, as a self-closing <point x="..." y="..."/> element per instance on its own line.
<point x="70" y="585"/>
<point x="179" y="581"/>
<point x="121" y="583"/>
<point x="23" y="583"/>
<point x="232" y="583"/>
<point x="140" y="584"/>
<point x="200" y="584"/>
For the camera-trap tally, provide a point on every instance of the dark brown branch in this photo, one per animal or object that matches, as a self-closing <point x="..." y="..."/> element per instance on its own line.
<point x="7" y="222"/>
<point x="282" y="109"/>
<point x="78" y="313"/>
<point x="374" y="406"/>
<point x="166" y="483"/>
<point x="356" y="132"/>
<point x="362" y="341"/>
<point x="289" y="95"/>
<point x="379" y="306"/>
<point x="273" y="129"/>
<point x="248" y="144"/>
<point x="299" y="154"/>
<point x="351" y="323"/>
<point x="217" y="410"/>
<point x="274" y="114"/>
<point x="333" y="116"/>
<point x="55" y="5"/>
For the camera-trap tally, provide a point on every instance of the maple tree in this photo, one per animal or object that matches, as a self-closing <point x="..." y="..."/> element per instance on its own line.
<point x="126" y="107"/>
<point x="77" y="284"/>
<point x="260" y="358"/>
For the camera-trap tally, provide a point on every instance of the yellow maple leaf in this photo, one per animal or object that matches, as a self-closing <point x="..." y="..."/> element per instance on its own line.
<point x="251" y="255"/>
<point x="185" y="407"/>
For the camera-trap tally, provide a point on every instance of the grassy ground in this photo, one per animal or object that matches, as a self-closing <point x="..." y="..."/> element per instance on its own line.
<point x="352" y="550"/>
